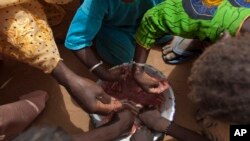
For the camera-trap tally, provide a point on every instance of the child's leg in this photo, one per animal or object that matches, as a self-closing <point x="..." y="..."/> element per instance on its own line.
<point x="15" y="117"/>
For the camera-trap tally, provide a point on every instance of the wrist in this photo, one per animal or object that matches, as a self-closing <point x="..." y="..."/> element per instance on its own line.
<point x="102" y="72"/>
<point x="138" y="69"/>
<point x="95" y="66"/>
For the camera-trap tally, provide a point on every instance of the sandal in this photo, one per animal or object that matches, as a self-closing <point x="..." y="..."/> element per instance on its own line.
<point x="179" y="47"/>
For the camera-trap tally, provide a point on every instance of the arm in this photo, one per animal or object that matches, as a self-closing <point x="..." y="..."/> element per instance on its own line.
<point x="150" y="29"/>
<point x="89" y="58"/>
<point x="88" y="94"/>
<point x="152" y="118"/>
<point x="146" y="82"/>
<point x="184" y="134"/>
<point x="82" y="31"/>
<point x="119" y="125"/>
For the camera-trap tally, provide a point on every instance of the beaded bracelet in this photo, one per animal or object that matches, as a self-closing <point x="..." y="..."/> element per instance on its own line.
<point x="95" y="66"/>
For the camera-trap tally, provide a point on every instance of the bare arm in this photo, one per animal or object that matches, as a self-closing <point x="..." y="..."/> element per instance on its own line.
<point x="122" y="123"/>
<point x="152" y="118"/>
<point x="89" y="58"/>
<point x="88" y="94"/>
<point x="184" y="134"/>
<point x="146" y="82"/>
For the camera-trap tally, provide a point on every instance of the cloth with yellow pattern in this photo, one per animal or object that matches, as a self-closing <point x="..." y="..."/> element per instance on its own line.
<point x="25" y="34"/>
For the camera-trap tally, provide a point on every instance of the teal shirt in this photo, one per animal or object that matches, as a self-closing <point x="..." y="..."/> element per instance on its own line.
<point x="122" y="15"/>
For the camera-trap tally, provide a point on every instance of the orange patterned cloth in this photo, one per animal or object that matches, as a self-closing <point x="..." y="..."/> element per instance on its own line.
<point x="25" y="34"/>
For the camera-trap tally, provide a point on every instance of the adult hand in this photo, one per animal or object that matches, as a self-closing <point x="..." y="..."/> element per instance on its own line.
<point x="142" y="134"/>
<point x="92" y="97"/>
<point x="153" y="120"/>
<point x="148" y="83"/>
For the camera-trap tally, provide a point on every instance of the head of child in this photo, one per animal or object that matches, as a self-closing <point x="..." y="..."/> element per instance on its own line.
<point x="220" y="80"/>
<point x="44" y="134"/>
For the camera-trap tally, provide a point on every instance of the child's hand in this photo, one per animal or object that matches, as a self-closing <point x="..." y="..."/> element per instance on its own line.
<point x="150" y="84"/>
<point x="111" y="75"/>
<point x="123" y="121"/>
<point x="117" y="74"/>
<point x="153" y="120"/>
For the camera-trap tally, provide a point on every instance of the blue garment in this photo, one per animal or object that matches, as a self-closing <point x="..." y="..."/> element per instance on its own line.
<point x="112" y="23"/>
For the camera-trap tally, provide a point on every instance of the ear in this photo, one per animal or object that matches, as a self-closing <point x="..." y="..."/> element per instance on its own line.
<point x="225" y="35"/>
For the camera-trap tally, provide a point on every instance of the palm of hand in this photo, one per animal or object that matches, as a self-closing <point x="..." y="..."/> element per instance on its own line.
<point x="92" y="97"/>
<point x="150" y="84"/>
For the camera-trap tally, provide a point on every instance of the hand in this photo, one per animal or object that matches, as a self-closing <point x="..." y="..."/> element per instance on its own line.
<point x="92" y="97"/>
<point x="124" y="121"/>
<point x="142" y="134"/>
<point x="153" y="120"/>
<point x="148" y="83"/>
<point x="120" y="123"/>
<point x="131" y="106"/>
<point x="117" y="74"/>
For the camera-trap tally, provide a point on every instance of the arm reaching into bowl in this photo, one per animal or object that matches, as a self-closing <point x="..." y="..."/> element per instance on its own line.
<point x="153" y="120"/>
<point x="144" y="80"/>
<point x="121" y="123"/>
<point x="87" y="93"/>
<point x="89" y="58"/>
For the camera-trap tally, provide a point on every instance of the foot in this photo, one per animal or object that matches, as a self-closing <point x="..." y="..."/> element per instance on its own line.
<point x="181" y="50"/>
<point x="168" y="54"/>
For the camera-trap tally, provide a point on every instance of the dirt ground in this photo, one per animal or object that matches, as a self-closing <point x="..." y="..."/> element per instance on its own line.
<point x="62" y="110"/>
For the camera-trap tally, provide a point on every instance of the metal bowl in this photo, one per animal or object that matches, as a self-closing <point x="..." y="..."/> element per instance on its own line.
<point x="167" y="108"/>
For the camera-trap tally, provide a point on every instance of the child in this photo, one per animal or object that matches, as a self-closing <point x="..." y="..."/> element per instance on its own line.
<point x="220" y="86"/>
<point x="180" y="17"/>
<point x="108" y="26"/>
<point x="27" y="37"/>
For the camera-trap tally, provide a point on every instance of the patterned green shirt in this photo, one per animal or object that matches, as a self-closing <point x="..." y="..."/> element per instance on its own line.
<point x="190" y="19"/>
